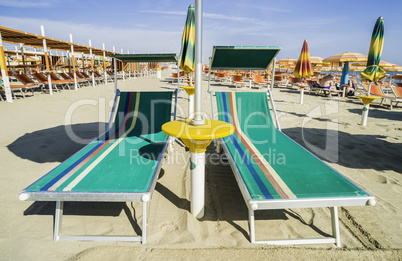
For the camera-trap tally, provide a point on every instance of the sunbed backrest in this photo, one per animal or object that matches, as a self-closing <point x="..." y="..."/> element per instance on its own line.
<point x="237" y="78"/>
<point x="376" y="90"/>
<point x="153" y="111"/>
<point x="54" y="77"/>
<point x="39" y="77"/>
<point x="23" y="78"/>
<point x="398" y="91"/>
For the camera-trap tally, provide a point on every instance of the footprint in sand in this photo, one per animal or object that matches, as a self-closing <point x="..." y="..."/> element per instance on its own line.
<point x="377" y="178"/>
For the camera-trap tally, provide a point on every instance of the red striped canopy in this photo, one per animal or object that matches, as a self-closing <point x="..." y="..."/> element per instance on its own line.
<point x="303" y="67"/>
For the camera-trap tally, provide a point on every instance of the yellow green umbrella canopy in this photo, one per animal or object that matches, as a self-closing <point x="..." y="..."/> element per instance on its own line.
<point x="346" y="57"/>
<point x="187" y="52"/>
<point x="374" y="72"/>
<point x="316" y="60"/>
<point x="286" y="61"/>
<point x="394" y="68"/>
<point x="303" y="67"/>
<point x="382" y="64"/>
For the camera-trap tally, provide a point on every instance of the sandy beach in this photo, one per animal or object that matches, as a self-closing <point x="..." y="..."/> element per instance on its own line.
<point x="38" y="133"/>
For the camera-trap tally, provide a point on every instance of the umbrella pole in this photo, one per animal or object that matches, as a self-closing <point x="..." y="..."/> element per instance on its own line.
<point x="365" y="114"/>
<point x="197" y="164"/>
<point x="366" y="108"/>
<point x="198" y="119"/>
<point x="197" y="167"/>
<point x="301" y="95"/>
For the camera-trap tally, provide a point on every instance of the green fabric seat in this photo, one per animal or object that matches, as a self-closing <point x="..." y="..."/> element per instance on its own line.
<point x="274" y="172"/>
<point x="292" y="171"/>
<point x="123" y="158"/>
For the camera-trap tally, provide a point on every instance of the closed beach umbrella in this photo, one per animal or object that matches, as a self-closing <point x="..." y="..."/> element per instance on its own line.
<point x="303" y="67"/>
<point x="187" y="52"/>
<point x="345" y="75"/>
<point x="187" y="55"/>
<point x="373" y="72"/>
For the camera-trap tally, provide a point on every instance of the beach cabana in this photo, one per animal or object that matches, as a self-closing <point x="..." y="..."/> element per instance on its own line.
<point x="304" y="181"/>
<point x="9" y="35"/>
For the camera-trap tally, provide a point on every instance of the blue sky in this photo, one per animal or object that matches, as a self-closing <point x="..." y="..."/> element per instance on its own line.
<point x="145" y="26"/>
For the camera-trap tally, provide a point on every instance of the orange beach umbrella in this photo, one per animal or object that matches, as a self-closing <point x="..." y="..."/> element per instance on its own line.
<point x="303" y="67"/>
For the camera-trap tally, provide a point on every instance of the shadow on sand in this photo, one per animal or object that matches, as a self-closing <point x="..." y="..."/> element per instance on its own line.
<point x="56" y="144"/>
<point x="352" y="151"/>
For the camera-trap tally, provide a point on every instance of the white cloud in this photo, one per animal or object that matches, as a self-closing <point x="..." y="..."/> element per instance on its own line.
<point x="263" y="8"/>
<point x="164" y="12"/>
<point x="28" y="3"/>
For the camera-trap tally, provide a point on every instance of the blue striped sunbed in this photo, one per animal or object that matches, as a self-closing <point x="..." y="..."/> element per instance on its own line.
<point x="274" y="172"/>
<point x="122" y="165"/>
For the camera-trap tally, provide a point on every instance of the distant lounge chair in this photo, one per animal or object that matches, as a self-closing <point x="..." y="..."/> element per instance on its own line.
<point x="294" y="81"/>
<point x="397" y="90"/>
<point x="24" y="79"/>
<point x="111" y="74"/>
<point x="238" y="80"/>
<point x="259" y="81"/>
<point x="79" y="77"/>
<point x="98" y="77"/>
<point x="377" y="91"/>
<point x="292" y="178"/>
<point x="121" y="165"/>
<point x="97" y="80"/>
<point x="55" y="81"/>
<point x="222" y="76"/>
<point x="19" y="88"/>
<point x="326" y="86"/>
<point x="280" y="80"/>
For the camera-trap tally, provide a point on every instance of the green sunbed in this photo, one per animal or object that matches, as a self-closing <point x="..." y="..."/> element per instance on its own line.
<point x="122" y="165"/>
<point x="274" y="172"/>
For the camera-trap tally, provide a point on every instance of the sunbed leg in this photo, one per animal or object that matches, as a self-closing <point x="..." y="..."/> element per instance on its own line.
<point x="144" y="221"/>
<point x="58" y="220"/>
<point x="251" y="224"/>
<point x="335" y="226"/>
<point x="23" y="95"/>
